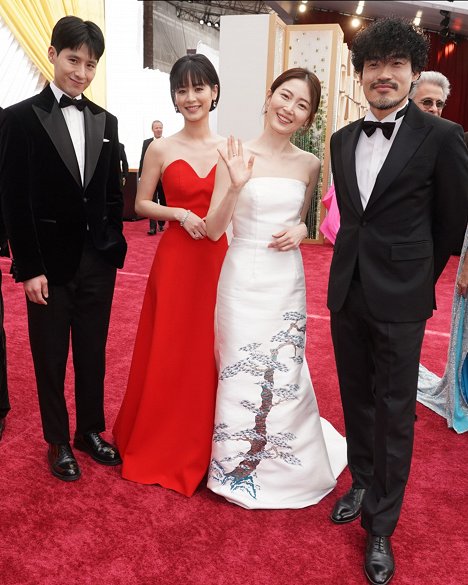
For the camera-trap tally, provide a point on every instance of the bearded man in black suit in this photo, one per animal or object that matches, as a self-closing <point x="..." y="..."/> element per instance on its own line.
<point x="401" y="180"/>
<point x="62" y="207"/>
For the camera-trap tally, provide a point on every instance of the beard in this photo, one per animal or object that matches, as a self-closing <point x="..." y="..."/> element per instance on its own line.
<point x="384" y="103"/>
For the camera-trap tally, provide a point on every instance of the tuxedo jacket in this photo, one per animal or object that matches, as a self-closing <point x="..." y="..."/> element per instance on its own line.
<point x="159" y="193"/>
<point x="47" y="209"/>
<point x="412" y="222"/>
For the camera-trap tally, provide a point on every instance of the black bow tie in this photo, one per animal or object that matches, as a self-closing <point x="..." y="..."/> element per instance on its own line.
<point x="66" y="101"/>
<point x="386" y="127"/>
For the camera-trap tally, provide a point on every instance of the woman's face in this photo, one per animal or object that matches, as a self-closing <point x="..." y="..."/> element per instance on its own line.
<point x="288" y="108"/>
<point x="194" y="101"/>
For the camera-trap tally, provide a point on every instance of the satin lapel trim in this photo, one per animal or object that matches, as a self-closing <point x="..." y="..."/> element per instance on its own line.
<point x="56" y="127"/>
<point x="406" y="143"/>
<point x="94" y="136"/>
<point x="348" y="150"/>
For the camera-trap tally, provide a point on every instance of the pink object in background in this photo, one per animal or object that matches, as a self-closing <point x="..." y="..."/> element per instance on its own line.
<point x="331" y="223"/>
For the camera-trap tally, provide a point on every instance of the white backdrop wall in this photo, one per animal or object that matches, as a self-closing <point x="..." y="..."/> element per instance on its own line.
<point x="243" y="68"/>
<point x="135" y="95"/>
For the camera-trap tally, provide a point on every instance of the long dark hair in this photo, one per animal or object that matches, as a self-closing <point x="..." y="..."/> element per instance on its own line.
<point x="196" y="69"/>
<point x="314" y="87"/>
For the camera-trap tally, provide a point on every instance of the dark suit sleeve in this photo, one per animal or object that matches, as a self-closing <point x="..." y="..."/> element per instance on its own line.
<point x="124" y="161"/>
<point x="142" y="157"/>
<point x="451" y="200"/>
<point x="15" y="179"/>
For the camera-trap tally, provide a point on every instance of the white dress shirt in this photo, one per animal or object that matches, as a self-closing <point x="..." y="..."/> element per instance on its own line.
<point x="371" y="152"/>
<point x="76" y="126"/>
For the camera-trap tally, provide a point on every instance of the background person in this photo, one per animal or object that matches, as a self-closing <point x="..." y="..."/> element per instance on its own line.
<point x="430" y="92"/>
<point x="159" y="197"/>
<point x="123" y="165"/>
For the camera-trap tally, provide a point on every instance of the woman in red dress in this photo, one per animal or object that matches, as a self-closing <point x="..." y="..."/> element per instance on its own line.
<point x="165" y="424"/>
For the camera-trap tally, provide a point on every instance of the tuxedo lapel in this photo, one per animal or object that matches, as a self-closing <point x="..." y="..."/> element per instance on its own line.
<point x="412" y="132"/>
<point x="94" y="136"/>
<point x="53" y="122"/>
<point x="348" y="150"/>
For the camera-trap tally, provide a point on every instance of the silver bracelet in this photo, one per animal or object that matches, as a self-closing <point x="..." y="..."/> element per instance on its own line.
<point x="184" y="219"/>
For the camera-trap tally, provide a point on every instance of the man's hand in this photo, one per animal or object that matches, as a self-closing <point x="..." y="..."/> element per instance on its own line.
<point x="36" y="289"/>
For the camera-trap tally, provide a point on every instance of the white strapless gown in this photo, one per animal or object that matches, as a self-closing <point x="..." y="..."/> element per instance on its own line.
<point x="270" y="447"/>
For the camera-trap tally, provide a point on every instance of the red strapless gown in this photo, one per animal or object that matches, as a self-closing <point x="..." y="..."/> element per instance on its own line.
<point x="165" y="424"/>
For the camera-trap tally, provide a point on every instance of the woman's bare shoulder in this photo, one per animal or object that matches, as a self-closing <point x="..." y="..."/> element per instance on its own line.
<point x="307" y="158"/>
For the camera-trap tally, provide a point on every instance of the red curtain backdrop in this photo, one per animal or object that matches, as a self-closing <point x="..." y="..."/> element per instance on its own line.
<point x="450" y="59"/>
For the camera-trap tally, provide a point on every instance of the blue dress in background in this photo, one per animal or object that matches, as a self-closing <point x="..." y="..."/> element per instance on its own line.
<point x="448" y="396"/>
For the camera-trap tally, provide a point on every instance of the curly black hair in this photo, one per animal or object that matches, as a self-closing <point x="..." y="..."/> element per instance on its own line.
<point x="390" y="37"/>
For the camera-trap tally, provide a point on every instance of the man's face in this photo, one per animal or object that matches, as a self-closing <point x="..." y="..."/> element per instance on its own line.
<point x="74" y="69"/>
<point x="386" y="84"/>
<point x="429" y="98"/>
<point x="157" y="128"/>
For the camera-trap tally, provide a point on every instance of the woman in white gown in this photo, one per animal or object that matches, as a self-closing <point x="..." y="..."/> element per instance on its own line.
<point x="270" y="447"/>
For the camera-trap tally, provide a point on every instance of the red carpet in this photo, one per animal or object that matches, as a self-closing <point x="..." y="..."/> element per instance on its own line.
<point x="107" y="531"/>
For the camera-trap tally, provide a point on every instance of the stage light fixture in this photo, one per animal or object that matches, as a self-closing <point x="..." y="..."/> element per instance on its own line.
<point x="417" y="18"/>
<point x="360" y="8"/>
<point x="445" y="33"/>
<point x="302" y="8"/>
<point x="446" y="18"/>
<point x="355" y="23"/>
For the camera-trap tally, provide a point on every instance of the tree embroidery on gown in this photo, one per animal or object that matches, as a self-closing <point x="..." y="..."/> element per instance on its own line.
<point x="262" y="444"/>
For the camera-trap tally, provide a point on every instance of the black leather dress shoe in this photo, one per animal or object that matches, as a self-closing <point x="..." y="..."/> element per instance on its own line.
<point x="348" y="507"/>
<point x="379" y="564"/>
<point x="2" y="426"/>
<point x="62" y="462"/>
<point x="151" y="232"/>
<point x="100" y="450"/>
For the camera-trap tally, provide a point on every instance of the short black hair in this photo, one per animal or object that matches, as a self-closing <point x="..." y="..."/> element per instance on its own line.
<point x="196" y="69"/>
<point x="71" y="32"/>
<point x="387" y="38"/>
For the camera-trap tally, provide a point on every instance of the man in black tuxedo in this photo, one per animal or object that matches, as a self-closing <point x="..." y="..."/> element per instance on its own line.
<point x="401" y="179"/>
<point x="123" y="165"/>
<point x="158" y="197"/>
<point x="62" y="207"/>
<point x="4" y="398"/>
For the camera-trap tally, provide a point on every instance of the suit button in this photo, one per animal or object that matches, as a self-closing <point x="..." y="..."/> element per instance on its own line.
<point x="85" y="199"/>
<point x="363" y="222"/>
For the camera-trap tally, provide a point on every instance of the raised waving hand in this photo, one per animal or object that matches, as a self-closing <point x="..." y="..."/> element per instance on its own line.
<point x="239" y="172"/>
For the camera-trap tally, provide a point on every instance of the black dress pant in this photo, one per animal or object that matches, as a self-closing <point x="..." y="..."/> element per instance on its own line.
<point x="79" y="309"/>
<point x="377" y="364"/>
<point x="4" y="399"/>
<point x="160" y="198"/>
